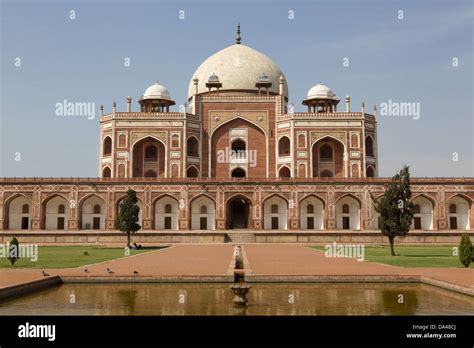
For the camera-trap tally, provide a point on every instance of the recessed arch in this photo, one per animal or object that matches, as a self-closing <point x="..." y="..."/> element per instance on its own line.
<point x="51" y="196"/>
<point x="175" y="141"/>
<point x="370" y="172"/>
<point x="202" y="219"/>
<point x="238" y="211"/>
<point x="122" y="140"/>
<point x="238" y="173"/>
<point x="459" y="208"/>
<point x="423" y="212"/>
<point x="16" y="217"/>
<point x="192" y="172"/>
<point x="431" y="199"/>
<point x="348" y="213"/>
<point x="237" y="118"/>
<point x="82" y="199"/>
<point x="89" y="217"/>
<point x="275" y="219"/>
<point x="141" y="163"/>
<point x="284" y="172"/>
<point x="349" y="195"/>
<point x="106" y="172"/>
<point x="275" y="195"/>
<point x="355" y="140"/>
<point x="324" y="161"/>
<point x="238" y="144"/>
<point x="107" y="146"/>
<point x="54" y="218"/>
<point x="192" y="146"/>
<point x="369" y="146"/>
<point x="166" y="212"/>
<point x="376" y="215"/>
<point x="222" y="159"/>
<point x="284" y="146"/>
<point x="326" y="152"/>
<point x="311" y="210"/>
<point x="462" y="195"/>
<point x="301" y="141"/>
<point x="330" y="137"/>
<point x="316" y="196"/>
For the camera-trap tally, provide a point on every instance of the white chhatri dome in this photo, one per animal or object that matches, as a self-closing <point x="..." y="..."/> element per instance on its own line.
<point x="320" y="91"/>
<point x="156" y="91"/>
<point x="238" y="67"/>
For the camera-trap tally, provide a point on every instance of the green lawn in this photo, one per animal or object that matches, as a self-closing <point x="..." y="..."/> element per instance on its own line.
<point x="70" y="256"/>
<point x="412" y="256"/>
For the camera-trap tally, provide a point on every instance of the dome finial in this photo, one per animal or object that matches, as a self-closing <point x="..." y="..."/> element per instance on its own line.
<point x="237" y="41"/>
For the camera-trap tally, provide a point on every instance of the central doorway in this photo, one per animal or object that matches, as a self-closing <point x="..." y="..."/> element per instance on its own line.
<point x="238" y="210"/>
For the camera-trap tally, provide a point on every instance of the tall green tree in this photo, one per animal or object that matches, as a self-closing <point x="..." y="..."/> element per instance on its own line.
<point x="128" y="215"/>
<point x="465" y="250"/>
<point x="395" y="208"/>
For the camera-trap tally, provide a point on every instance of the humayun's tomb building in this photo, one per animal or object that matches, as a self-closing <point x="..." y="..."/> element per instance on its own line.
<point x="235" y="163"/>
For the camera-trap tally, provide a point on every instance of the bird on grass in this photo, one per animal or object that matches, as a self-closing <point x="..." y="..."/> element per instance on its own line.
<point x="110" y="271"/>
<point x="45" y="274"/>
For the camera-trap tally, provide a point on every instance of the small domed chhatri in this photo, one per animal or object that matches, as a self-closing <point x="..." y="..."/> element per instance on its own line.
<point x="156" y="98"/>
<point x="213" y="82"/>
<point x="320" y="98"/>
<point x="320" y="91"/>
<point x="263" y="81"/>
<point x="156" y="91"/>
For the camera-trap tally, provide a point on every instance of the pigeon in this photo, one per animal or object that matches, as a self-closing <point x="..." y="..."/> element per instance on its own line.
<point x="45" y="274"/>
<point x="109" y="271"/>
<point x="135" y="272"/>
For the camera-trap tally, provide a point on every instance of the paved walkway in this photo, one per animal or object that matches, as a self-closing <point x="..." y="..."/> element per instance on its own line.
<point x="299" y="260"/>
<point x="205" y="260"/>
<point x="179" y="260"/>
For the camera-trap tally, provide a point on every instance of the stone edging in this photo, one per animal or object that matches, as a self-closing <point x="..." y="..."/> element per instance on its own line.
<point x="29" y="287"/>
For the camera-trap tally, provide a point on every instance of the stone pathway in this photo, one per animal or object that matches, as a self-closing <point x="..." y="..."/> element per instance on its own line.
<point x="299" y="260"/>
<point x="207" y="260"/>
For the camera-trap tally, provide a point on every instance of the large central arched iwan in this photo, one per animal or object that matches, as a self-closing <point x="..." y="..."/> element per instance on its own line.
<point x="148" y="158"/>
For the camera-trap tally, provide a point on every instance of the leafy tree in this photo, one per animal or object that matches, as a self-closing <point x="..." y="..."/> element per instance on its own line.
<point x="14" y="251"/>
<point x="465" y="250"/>
<point x="128" y="215"/>
<point x="395" y="208"/>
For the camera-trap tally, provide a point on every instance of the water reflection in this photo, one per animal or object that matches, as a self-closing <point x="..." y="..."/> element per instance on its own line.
<point x="264" y="299"/>
<point x="400" y="302"/>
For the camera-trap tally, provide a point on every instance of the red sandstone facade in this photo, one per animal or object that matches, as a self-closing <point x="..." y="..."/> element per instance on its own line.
<point x="235" y="157"/>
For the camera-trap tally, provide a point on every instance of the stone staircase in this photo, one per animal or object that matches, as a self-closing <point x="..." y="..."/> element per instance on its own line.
<point x="240" y="237"/>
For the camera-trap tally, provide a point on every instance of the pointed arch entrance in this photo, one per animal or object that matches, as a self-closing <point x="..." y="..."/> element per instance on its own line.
<point x="238" y="212"/>
<point x="328" y="158"/>
<point x="148" y="158"/>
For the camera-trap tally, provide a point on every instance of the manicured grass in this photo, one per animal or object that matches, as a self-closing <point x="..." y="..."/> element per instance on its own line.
<point x="412" y="256"/>
<point x="69" y="256"/>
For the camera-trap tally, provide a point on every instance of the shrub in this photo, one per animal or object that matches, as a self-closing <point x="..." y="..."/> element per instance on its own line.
<point x="14" y="251"/>
<point x="465" y="250"/>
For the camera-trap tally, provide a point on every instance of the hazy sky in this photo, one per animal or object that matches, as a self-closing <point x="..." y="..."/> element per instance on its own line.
<point x="82" y="60"/>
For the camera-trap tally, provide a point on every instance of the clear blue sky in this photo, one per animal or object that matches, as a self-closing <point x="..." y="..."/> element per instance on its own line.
<point x="81" y="60"/>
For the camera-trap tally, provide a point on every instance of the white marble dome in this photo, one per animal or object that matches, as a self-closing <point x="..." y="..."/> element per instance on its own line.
<point x="320" y="91"/>
<point x="238" y="67"/>
<point x="156" y="91"/>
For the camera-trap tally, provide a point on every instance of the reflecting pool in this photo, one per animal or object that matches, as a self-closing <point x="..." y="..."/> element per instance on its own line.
<point x="264" y="299"/>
